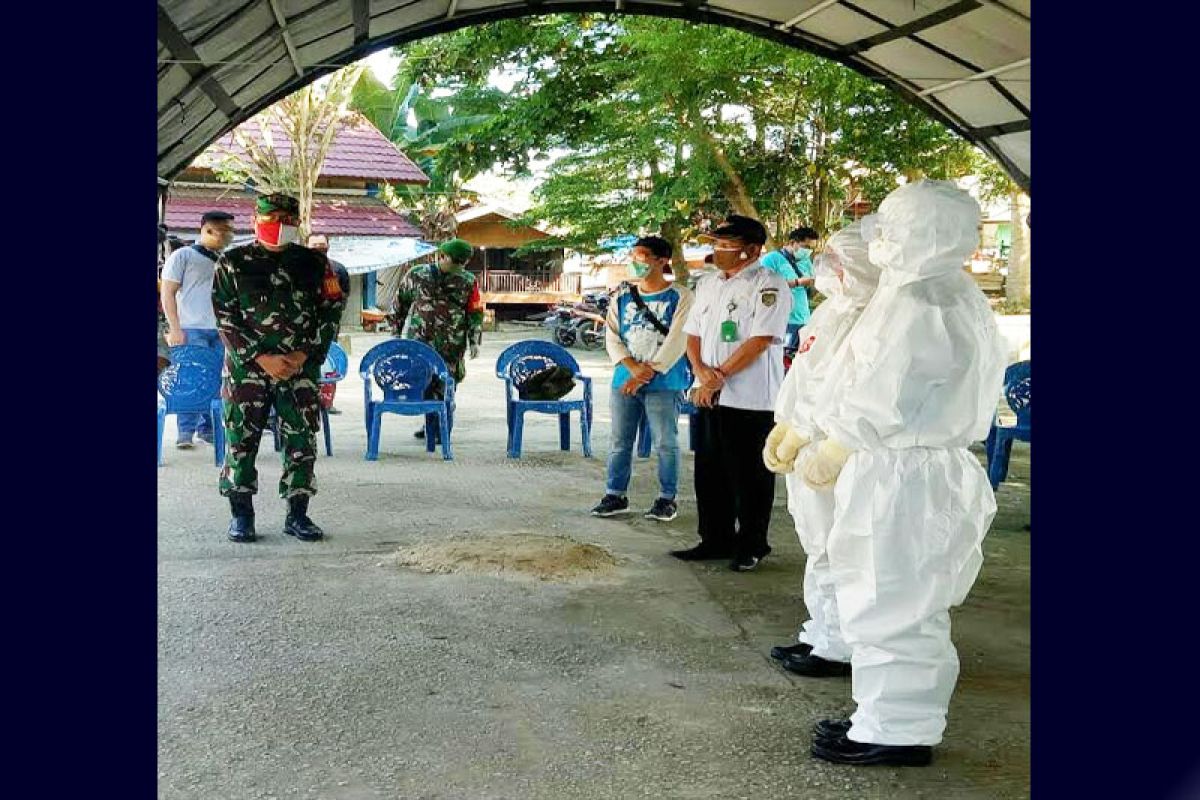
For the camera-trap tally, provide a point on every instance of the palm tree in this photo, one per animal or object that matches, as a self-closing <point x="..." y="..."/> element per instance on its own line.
<point x="308" y="119"/>
<point x="423" y="127"/>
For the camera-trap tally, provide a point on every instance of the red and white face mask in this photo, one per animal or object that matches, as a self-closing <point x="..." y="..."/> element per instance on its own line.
<point x="275" y="233"/>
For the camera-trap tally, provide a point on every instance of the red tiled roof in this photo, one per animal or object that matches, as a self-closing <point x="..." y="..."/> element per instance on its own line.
<point x="335" y="215"/>
<point x="358" y="150"/>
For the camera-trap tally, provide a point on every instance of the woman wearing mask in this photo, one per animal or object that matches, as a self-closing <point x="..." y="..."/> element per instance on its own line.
<point x="646" y="342"/>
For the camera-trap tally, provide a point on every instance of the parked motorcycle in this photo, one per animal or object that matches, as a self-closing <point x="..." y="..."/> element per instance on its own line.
<point x="589" y="329"/>
<point x="591" y="318"/>
<point x="561" y="322"/>
<point x="579" y="324"/>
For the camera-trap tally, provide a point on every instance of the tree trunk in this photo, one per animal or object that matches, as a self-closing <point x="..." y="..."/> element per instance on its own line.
<point x="817" y="215"/>
<point x="735" y="188"/>
<point x="1018" y="284"/>
<point x="669" y="229"/>
<point x="671" y="232"/>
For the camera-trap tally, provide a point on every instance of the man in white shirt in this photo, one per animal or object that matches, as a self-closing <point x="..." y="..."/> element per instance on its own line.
<point x="736" y="334"/>
<point x="187" y="284"/>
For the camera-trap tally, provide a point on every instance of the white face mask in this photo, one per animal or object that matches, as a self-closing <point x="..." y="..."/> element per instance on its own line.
<point x="288" y="234"/>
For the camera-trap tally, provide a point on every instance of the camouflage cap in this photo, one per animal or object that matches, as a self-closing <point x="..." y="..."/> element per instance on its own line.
<point x="266" y="203"/>
<point x="458" y="249"/>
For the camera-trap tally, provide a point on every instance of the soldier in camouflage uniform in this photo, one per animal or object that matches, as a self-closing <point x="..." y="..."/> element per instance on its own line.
<point x="440" y="304"/>
<point x="278" y="305"/>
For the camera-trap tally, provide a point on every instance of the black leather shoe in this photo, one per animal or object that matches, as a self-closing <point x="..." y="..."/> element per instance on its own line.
<point x="783" y="651"/>
<point x="241" y="527"/>
<point x="744" y="563"/>
<point x="831" y="728"/>
<point x="700" y="553"/>
<point x="812" y="666"/>
<point x="298" y="524"/>
<point x="846" y="751"/>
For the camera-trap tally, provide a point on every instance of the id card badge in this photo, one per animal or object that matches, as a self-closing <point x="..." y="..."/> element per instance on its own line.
<point x="729" y="331"/>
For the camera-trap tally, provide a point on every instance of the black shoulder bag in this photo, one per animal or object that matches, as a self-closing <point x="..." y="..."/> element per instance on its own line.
<point x="646" y="312"/>
<point x="809" y="290"/>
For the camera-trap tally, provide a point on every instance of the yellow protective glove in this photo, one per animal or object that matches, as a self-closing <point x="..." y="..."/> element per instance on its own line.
<point x="783" y="445"/>
<point x="822" y="468"/>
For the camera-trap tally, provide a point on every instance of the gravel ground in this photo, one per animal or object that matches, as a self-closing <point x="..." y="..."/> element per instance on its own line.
<point x="332" y="670"/>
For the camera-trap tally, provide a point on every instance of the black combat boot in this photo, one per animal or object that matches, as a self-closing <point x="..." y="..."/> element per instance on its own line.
<point x="241" y="527"/>
<point x="297" y="523"/>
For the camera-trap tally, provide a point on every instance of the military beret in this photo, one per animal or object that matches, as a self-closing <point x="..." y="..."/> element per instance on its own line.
<point x="267" y="203"/>
<point x="458" y="249"/>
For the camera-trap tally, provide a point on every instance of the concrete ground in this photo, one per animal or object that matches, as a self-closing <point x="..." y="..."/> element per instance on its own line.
<point x="293" y="670"/>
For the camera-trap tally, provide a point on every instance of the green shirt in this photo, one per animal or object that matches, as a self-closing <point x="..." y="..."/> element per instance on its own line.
<point x="776" y="261"/>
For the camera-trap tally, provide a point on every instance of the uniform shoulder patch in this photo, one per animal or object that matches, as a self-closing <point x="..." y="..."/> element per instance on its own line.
<point x="769" y="296"/>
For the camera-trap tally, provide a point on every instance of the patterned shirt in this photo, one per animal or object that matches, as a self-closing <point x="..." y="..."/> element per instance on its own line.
<point x="442" y="309"/>
<point x="276" y="302"/>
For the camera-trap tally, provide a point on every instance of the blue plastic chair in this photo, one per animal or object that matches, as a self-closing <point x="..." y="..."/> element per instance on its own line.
<point x="333" y="369"/>
<point x="192" y="385"/>
<point x="403" y="369"/>
<point x="1001" y="438"/>
<point x="516" y="364"/>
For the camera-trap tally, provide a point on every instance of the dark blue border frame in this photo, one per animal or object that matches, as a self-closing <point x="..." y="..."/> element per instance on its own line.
<point x="1116" y="562"/>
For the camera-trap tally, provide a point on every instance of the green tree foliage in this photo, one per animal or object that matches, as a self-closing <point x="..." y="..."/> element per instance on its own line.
<point x="309" y="120"/>
<point x="670" y="125"/>
<point x="423" y="127"/>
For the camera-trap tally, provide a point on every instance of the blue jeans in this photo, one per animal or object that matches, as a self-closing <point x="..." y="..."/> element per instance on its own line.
<point x="663" y="413"/>
<point x="191" y="424"/>
<point x="793" y="335"/>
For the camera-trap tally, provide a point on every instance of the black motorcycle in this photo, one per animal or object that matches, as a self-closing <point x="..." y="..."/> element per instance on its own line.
<point x="561" y="321"/>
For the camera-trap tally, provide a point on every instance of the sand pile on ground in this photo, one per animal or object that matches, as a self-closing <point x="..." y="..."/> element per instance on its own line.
<point x="547" y="558"/>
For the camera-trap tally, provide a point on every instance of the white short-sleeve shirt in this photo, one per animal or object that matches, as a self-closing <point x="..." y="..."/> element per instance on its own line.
<point x="193" y="271"/>
<point x="759" y="302"/>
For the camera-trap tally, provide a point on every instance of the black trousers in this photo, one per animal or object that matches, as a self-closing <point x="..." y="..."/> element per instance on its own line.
<point x="734" y="489"/>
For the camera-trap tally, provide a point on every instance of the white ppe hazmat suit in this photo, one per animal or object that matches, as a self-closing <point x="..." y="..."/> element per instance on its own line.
<point x="848" y="279"/>
<point x="917" y="382"/>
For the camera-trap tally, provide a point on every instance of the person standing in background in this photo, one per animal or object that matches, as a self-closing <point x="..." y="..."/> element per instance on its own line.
<point x="320" y="243"/>
<point x="793" y="262"/>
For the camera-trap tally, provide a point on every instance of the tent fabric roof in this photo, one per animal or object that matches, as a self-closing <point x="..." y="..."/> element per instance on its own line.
<point x="336" y="215"/>
<point x="965" y="62"/>
<point x="358" y="150"/>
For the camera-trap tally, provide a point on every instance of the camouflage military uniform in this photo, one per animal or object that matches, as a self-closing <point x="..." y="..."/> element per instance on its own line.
<point x="270" y="302"/>
<point x="442" y="309"/>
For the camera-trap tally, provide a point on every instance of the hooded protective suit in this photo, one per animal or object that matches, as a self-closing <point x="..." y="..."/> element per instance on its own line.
<point x="916" y="383"/>
<point x="848" y="279"/>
